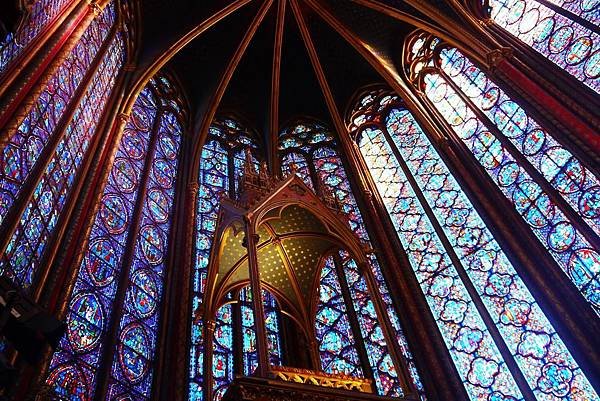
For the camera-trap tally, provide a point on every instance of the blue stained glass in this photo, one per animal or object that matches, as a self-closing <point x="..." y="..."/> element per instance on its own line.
<point x="222" y="352"/>
<point x="477" y="358"/>
<point x="577" y="184"/>
<point x="587" y="9"/>
<point x="145" y="285"/>
<point x="142" y="151"/>
<point x="213" y="181"/>
<point x="40" y="218"/>
<point x="101" y="266"/>
<point x="563" y="41"/>
<point x="42" y="14"/>
<point x="226" y="143"/>
<point x="337" y="346"/>
<point x="302" y="169"/>
<point x="25" y="145"/>
<point x="271" y="313"/>
<point x="524" y="327"/>
<point x="573" y="252"/>
<point x="314" y="141"/>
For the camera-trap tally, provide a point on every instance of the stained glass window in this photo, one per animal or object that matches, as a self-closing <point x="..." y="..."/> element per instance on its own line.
<point x="42" y="13"/>
<point x="38" y="128"/>
<point x="38" y="133"/>
<point x="451" y="250"/>
<point x="223" y="352"/>
<point x="221" y="165"/>
<point x="566" y="32"/>
<point x="271" y="312"/>
<point x="224" y="364"/>
<point x="337" y="346"/>
<point x="549" y="187"/>
<point x="141" y="183"/>
<point x="311" y="147"/>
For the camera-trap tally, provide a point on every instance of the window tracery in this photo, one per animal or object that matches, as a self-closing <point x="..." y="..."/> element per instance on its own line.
<point x="554" y="192"/>
<point x="479" y="302"/>
<point x="566" y="32"/>
<point x="123" y="267"/>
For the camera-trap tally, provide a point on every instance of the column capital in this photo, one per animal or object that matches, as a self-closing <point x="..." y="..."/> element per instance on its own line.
<point x="193" y="188"/>
<point x="94" y="7"/>
<point x="496" y="56"/>
<point x="210" y="325"/>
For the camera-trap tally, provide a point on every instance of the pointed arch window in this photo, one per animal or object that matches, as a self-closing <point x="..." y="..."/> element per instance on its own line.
<point x="221" y="166"/>
<point x="483" y="309"/>
<point x="123" y="267"/>
<point x="42" y="13"/>
<point x="58" y="131"/>
<point x="554" y="192"/>
<point x="566" y="32"/>
<point x="312" y="148"/>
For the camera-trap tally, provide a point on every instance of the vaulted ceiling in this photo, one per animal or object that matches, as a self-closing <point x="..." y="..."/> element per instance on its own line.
<point x="257" y="57"/>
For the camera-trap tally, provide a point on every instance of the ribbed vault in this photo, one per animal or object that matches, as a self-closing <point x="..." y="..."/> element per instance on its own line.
<point x="274" y="60"/>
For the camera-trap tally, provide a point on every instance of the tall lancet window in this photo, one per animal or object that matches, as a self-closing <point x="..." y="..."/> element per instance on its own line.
<point x="566" y="32"/>
<point x="555" y="194"/>
<point x="221" y="166"/>
<point x="41" y="15"/>
<point x="113" y="313"/>
<point x="483" y="309"/>
<point x="312" y="149"/>
<point x="43" y="157"/>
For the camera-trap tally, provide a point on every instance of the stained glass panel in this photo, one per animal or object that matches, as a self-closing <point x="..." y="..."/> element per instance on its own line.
<point x="37" y="224"/>
<point x="518" y="317"/>
<point x="74" y="364"/>
<point x="271" y="312"/>
<point x="477" y="359"/>
<point x="556" y="232"/>
<point x="337" y="346"/>
<point x="576" y="184"/>
<point x="212" y="181"/>
<point x="222" y="352"/>
<point x="568" y="44"/>
<point x="139" y="323"/>
<point x="42" y="13"/>
<point x="38" y="128"/>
